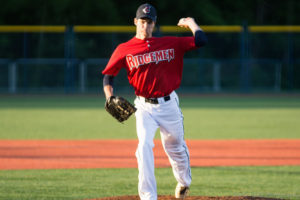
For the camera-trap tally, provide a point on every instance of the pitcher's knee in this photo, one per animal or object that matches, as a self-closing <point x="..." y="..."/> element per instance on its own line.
<point x="172" y="140"/>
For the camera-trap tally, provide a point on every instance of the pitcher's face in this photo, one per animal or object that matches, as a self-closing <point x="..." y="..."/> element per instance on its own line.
<point x="144" y="28"/>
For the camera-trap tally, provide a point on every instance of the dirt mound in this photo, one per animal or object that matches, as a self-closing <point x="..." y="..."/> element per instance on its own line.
<point x="190" y="198"/>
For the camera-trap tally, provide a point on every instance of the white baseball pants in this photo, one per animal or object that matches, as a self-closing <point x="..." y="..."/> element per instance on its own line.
<point x="167" y="116"/>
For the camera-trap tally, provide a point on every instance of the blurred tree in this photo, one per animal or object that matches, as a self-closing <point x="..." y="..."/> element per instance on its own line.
<point x="57" y="12"/>
<point x="118" y="12"/>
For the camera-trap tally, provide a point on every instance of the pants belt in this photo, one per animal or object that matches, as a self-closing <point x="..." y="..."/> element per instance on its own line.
<point x="155" y="100"/>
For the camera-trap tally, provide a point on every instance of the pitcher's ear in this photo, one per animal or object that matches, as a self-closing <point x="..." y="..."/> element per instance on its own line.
<point x="135" y="21"/>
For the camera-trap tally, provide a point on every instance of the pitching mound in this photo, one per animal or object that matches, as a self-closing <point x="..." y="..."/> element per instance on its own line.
<point x="189" y="198"/>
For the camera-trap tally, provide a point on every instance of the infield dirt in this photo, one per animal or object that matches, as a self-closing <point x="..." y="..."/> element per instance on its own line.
<point x="67" y="154"/>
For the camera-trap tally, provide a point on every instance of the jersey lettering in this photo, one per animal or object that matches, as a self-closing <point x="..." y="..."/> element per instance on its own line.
<point x="130" y="61"/>
<point x="152" y="57"/>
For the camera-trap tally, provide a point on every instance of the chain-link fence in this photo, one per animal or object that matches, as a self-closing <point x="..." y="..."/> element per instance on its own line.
<point x="69" y="59"/>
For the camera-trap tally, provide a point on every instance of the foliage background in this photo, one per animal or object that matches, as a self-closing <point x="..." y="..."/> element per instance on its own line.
<point x="117" y="12"/>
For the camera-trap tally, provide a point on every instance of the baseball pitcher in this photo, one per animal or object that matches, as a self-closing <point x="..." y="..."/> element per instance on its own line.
<point x="154" y="68"/>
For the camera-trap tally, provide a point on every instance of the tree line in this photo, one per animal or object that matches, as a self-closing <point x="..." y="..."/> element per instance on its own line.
<point x="120" y="12"/>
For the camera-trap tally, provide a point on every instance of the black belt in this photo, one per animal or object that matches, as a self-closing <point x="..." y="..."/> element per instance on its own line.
<point x="155" y="100"/>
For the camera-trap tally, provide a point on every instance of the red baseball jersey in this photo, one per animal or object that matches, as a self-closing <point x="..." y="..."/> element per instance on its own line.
<point x="154" y="65"/>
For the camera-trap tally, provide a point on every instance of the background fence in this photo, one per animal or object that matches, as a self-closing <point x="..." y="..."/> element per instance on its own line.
<point x="69" y="59"/>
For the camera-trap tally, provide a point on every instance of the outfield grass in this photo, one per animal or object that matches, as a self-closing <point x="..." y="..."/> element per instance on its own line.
<point x="215" y="117"/>
<point x="277" y="182"/>
<point x="206" y="117"/>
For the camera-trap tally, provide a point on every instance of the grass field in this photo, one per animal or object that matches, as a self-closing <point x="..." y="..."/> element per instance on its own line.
<point x="280" y="182"/>
<point x="214" y="117"/>
<point x="206" y="117"/>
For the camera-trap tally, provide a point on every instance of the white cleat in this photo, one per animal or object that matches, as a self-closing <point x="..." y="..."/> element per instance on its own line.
<point x="181" y="191"/>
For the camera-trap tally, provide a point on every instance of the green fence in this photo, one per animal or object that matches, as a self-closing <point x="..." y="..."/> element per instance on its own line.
<point x="69" y="59"/>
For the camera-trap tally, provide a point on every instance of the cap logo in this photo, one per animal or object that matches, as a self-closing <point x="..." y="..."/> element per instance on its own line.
<point x="146" y="10"/>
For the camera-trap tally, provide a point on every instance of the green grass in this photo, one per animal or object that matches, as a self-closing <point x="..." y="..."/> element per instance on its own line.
<point x="279" y="182"/>
<point x="206" y="117"/>
<point x="214" y="117"/>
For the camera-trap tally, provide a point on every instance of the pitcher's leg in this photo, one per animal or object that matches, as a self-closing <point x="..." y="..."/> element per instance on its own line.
<point x="178" y="154"/>
<point x="172" y="136"/>
<point x="146" y="128"/>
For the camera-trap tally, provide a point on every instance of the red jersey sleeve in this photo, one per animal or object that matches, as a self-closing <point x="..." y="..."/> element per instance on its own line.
<point x="187" y="43"/>
<point x="115" y="63"/>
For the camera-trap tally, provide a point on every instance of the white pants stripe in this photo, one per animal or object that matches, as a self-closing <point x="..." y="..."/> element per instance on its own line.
<point x="168" y="117"/>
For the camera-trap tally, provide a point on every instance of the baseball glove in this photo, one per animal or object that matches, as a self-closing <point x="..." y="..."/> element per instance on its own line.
<point x="119" y="108"/>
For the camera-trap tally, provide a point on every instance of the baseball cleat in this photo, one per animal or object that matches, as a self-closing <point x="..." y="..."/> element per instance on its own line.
<point x="181" y="191"/>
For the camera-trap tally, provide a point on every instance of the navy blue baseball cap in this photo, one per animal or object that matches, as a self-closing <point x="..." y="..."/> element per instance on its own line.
<point x="146" y="11"/>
